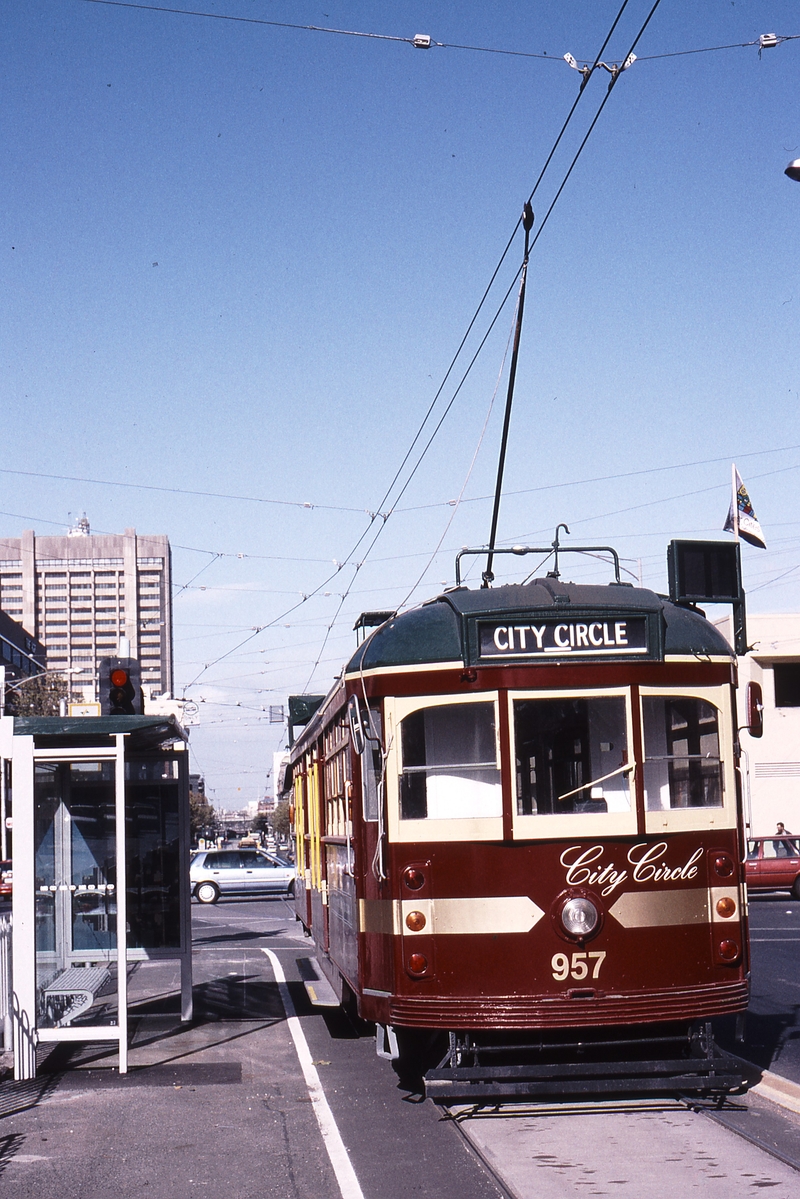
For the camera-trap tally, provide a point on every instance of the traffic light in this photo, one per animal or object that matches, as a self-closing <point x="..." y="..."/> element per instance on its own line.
<point x="120" y="687"/>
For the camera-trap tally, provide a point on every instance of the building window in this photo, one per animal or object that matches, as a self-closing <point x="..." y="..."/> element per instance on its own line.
<point x="787" y="684"/>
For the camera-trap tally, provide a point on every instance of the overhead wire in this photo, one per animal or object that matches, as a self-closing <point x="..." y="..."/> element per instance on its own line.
<point x="421" y="457"/>
<point x="357" y="566"/>
<point x="424" y="43"/>
<point x="214" y="495"/>
<point x="500" y="307"/>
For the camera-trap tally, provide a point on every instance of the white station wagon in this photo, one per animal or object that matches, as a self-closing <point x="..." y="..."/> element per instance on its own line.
<point x="215" y="872"/>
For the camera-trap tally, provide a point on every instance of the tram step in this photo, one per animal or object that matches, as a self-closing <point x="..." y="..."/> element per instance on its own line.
<point x="318" y="989"/>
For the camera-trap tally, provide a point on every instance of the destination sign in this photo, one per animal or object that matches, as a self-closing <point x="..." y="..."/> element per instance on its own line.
<point x="559" y="637"/>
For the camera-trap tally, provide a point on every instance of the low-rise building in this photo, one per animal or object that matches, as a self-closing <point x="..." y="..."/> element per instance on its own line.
<point x="771" y="764"/>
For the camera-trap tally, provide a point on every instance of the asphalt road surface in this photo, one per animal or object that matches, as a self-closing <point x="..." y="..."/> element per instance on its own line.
<point x="227" y="1107"/>
<point x="772" y="1037"/>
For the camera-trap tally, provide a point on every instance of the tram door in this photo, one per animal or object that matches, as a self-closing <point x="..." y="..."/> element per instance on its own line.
<point x="76" y="906"/>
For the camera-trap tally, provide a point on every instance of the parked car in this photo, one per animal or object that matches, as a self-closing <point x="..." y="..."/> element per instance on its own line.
<point x="215" y="872"/>
<point x="773" y="864"/>
<point x="5" y="879"/>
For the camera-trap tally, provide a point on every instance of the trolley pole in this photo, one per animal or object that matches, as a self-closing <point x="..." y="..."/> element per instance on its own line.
<point x="527" y="224"/>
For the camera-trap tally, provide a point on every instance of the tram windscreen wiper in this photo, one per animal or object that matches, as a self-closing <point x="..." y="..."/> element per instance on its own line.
<point x="594" y="782"/>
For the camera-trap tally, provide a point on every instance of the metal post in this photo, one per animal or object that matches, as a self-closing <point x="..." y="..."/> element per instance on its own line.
<point x="122" y="904"/>
<point x="24" y="913"/>
<point x="185" y="893"/>
<point x="3" y="812"/>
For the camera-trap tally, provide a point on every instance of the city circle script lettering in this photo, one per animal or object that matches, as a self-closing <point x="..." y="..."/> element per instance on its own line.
<point x="645" y="864"/>
<point x="562" y="637"/>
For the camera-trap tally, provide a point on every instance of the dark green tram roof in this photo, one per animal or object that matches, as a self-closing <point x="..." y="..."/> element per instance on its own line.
<point x="447" y="628"/>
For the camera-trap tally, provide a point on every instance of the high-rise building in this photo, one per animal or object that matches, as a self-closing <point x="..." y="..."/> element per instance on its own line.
<point x="81" y="593"/>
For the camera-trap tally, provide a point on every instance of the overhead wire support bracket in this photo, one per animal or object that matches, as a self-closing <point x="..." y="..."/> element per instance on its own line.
<point x="614" y="68"/>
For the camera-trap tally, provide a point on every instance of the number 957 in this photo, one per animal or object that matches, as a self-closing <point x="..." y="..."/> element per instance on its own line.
<point x="578" y="966"/>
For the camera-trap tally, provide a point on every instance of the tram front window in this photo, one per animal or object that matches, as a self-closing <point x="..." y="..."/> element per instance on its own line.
<point x="571" y="756"/>
<point x="449" y="763"/>
<point x="682" y="767"/>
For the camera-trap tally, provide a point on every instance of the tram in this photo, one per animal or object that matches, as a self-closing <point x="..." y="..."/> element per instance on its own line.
<point x="518" y="826"/>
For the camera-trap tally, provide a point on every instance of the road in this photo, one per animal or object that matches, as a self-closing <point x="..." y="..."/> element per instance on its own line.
<point x="222" y="1107"/>
<point x="773" y="1021"/>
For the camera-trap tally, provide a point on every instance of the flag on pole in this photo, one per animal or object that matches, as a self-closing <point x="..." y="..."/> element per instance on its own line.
<point x="742" y="520"/>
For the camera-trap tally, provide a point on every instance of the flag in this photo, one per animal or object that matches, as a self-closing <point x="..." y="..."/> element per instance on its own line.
<point x="742" y="520"/>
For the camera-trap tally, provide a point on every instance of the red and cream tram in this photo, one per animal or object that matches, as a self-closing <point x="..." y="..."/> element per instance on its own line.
<point x="517" y="821"/>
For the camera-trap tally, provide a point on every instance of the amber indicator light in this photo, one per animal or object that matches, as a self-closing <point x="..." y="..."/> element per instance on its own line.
<point x="413" y="879"/>
<point x="417" y="963"/>
<point x="728" y="951"/>
<point x="415" y="921"/>
<point x="726" y="907"/>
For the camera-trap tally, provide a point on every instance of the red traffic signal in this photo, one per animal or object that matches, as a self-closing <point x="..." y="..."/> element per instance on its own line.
<point x="120" y="687"/>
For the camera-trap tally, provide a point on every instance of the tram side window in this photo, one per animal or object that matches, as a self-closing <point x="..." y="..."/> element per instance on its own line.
<point x="372" y="767"/>
<point x="449" y="763"/>
<point x="571" y="756"/>
<point x="682" y="766"/>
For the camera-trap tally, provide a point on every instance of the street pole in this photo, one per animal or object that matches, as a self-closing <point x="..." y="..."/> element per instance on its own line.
<point x="3" y="832"/>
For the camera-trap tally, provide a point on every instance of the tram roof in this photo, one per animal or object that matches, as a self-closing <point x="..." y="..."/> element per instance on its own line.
<point x="443" y="629"/>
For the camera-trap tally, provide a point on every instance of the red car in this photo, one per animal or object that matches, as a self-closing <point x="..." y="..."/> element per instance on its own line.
<point x="5" y="879"/>
<point x="773" y="864"/>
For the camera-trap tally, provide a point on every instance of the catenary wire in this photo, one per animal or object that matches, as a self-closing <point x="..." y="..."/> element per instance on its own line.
<point x="388" y="37"/>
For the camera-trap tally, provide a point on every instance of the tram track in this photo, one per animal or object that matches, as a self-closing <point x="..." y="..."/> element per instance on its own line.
<point x="718" y="1116"/>
<point x="529" y="1148"/>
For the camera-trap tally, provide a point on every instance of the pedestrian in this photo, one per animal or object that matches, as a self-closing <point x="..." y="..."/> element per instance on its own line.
<point x="783" y="848"/>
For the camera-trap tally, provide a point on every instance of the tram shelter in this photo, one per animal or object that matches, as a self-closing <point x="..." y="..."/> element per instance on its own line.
<point x="101" y="872"/>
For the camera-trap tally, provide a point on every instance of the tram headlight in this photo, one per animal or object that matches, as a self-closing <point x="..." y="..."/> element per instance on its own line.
<point x="579" y="917"/>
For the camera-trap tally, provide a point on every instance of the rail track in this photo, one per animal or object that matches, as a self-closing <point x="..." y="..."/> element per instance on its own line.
<point x="552" y="1151"/>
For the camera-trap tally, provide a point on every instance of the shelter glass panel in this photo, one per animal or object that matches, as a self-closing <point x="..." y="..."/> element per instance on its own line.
<point x="76" y="902"/>
<point x="152" y="818"/>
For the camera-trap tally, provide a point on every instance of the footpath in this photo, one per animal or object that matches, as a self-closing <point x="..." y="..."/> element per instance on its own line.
<point x="216" y="1107"/>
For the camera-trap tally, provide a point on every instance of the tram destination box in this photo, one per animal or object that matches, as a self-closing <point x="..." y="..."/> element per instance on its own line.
<point x="548" y="636"/>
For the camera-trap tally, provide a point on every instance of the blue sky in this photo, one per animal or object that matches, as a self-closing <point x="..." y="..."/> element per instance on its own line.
<point x="238" y="259"/>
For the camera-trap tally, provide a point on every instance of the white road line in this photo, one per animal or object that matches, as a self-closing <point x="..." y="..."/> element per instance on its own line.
<point x="339" y="1157"/>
